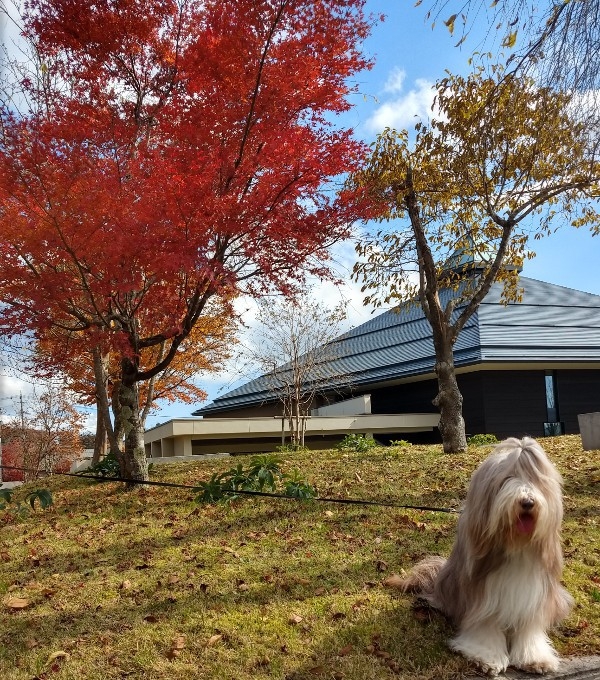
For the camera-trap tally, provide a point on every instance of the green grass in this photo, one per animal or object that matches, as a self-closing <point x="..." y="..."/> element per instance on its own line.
<point x="148" y="584"/>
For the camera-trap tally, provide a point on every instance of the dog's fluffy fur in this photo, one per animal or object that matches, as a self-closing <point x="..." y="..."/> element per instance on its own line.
<point x="501" y="584"/>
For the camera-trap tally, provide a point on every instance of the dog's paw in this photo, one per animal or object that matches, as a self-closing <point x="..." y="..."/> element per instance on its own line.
<point x="485" y="647"/>
<point x="491" y="669"/>
<point x="533" y="653"/>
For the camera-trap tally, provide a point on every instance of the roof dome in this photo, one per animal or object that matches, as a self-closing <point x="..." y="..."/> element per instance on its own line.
<point x="472" y="258"/>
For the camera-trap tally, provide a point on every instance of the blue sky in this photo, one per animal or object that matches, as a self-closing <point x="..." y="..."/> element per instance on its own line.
<point x="409" y="57"/>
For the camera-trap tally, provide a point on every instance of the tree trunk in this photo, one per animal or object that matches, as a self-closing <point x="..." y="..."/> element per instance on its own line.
<point x="297" y="422"/>
<point x="113" y="434"/>
<point x="449" y="400"/>
<point x="101" y="438"/>
<point x="303" y="432"/>
<point x="133" y="462"/>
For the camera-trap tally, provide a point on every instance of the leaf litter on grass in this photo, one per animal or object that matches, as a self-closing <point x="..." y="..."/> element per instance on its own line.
<point x="146" y="584"/>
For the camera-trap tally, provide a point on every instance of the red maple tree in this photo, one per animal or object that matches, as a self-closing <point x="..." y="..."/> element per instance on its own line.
<point x="167" y="154"/>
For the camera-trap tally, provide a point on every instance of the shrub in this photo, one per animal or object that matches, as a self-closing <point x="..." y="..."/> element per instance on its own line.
<point x="107" y="467"/>
<point x="43" y="496"/>
<point x="263" y="474"/>
<point x="296" y="487"/>
<point x="481" y="439"/>
<point x="356" y="442"/>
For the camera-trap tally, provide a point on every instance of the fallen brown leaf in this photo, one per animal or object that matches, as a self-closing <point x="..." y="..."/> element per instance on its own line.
<point x="213" y="640"/>
<point x="317" y="670"/>
<point x="17" y="603"/>
<point x="55" y="656"/>
<point x="178" y="642"/>
<point x="176" y="646"/>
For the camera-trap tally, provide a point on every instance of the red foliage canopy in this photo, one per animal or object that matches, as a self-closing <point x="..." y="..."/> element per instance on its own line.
<point x="173" y="151"/>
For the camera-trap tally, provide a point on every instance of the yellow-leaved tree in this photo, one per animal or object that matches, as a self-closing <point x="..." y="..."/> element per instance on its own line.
<point x="502" y="161"/>
<point x="92" y="373"/>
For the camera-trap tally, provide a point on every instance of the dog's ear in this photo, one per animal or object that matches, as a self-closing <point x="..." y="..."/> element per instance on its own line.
<point x="481" y="544"/>
<point x="476" y="525"/>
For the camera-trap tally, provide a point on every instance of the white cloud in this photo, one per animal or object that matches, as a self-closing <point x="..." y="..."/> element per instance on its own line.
<point x="395" y="81"/>
<point x="405" y="110"/>
<point x="12" y="389"/>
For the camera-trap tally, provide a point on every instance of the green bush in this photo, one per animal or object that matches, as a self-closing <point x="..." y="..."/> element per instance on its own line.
<point x="107" y="467"/>
<point x="296" y="487"/>
<point x="356" y="442"/>
<point x="400" y="442"/>
<point x="263" y="474"/>
<point x="43" y="496"/>
<point x="481" y="439"/>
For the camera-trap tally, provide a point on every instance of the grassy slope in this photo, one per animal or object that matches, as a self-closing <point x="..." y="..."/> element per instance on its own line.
<point x="147" y="584"/>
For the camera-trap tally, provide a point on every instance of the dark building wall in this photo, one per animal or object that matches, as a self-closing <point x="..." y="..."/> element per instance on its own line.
<point x="578" y="392"/>
<point x="471" y="387"/>
<point x="413" y="397"/>
<point x="417" y="397"/>
<point x="514" y="403"/>
<point x="504" y="403"/>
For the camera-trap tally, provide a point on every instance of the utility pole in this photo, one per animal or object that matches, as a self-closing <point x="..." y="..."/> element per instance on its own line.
<point x="1" y="476"/>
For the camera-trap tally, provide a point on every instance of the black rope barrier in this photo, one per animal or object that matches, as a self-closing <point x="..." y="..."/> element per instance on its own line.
<point x="243" y="492"/>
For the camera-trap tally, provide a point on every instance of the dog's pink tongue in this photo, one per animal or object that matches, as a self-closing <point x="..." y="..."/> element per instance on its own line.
<point x="525" y="524"/>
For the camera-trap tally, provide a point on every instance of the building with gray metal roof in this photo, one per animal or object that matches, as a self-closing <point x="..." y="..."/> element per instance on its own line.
<point x="523" y="368"/>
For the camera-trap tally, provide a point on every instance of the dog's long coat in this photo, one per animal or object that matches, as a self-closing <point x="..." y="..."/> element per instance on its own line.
<point x="501" y="584"/>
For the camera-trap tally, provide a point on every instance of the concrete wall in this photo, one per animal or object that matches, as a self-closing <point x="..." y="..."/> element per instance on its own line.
<point x="195" y="436"/>
<point x="350" y="407"/>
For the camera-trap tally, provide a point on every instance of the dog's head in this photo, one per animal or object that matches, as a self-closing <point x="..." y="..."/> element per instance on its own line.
<point x="515" y="497"/>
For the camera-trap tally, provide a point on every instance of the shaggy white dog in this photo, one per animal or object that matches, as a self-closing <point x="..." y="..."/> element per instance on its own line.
<point x="501" y="584"/>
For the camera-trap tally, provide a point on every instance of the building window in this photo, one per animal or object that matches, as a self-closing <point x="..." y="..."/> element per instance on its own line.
<point x="551" y="401"/>
<point x="553" y="427"/>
